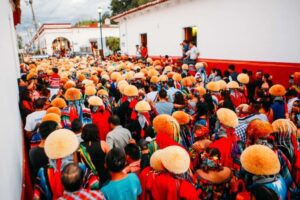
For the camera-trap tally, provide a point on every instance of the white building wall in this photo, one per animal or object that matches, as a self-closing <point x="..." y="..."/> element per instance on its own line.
<point x="10" y="123"/>
<point x="256" y="30"/>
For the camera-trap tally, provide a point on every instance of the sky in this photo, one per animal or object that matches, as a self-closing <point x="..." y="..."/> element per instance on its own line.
<point x="55" y="11"/>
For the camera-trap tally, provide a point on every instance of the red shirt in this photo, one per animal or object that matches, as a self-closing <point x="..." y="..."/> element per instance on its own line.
<point x="101" y="121"/>
<point x="54" y="81"/>
<point x="144" y="52"/>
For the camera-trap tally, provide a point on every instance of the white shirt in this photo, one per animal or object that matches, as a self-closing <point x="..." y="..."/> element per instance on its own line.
<point x="193" y="53"/>
<point x="33" y="119"/>
<point x="151" y="96"/>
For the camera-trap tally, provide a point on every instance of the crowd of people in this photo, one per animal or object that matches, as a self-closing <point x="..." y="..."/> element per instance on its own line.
<point x="129" y="129"/>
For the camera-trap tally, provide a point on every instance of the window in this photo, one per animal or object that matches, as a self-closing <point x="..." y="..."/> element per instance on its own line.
<point x="144" y="39"/>
<point x="190" y="34"/>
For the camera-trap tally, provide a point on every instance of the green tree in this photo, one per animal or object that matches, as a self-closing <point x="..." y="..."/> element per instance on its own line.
<point x="119" y="6"/>
<point x="113" y="43"/>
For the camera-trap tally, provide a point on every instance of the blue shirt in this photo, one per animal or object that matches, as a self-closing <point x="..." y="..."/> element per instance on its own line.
<point x="171" y="92"/>
<point x="278" y="110"/>
<point x="164" y="108"/>
<point x="128" y="188"/>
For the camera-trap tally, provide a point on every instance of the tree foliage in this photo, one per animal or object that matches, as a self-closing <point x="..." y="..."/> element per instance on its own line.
<point x="113" y="43"/>
<point x="119" y="6"/>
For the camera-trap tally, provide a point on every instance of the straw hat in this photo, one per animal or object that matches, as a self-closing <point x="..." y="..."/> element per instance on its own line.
<point x="166" y="124"/>
<point x="175" y="159"/>
<point x="227" y="117"/>
<point x="59" y="102"/>
<point x="258" y="128"/>
<point x="201" y="90"/>
<point x="213" y="86"/>
<point x="186" y="82"/>
<point x="243" y="78"/>
<point x="277" y="90"/>
<point x="155" y="160"/>
<point x="185" y="67"/>
<point x="260" y="160"/>
<point x="200" y="65"/>
<point x="55" y="110"/>
<point x="142" y="106"/>
<point x="90" y="90"/>
<point x="95" y="101"/>
<point x="181" y="117"/>
<point x="130" y="91"/>
<point x="61" y="143"/>
<point x="139" y="75"/>
<point x="102" y="92"/>
<point x="154" y="79"/>
<point x="72" y="94"/>
<point x="222" y="84"/>
<point x="163" y="78"/>
<point x="233" y="85"/>
<point x="168" y="69"/>
<point x="284" y="127"/>
<point x="193" y="79"/>
<point x="69" y="84"/>
<point x="153" y="72"/>
<point x="177" y="77"/>
<point x="51" y="117"/>
<point x="105" y="76"/>
<point x="80" y="77"/>
<point x="115" y="76"/>
<point x="31" y="75"/>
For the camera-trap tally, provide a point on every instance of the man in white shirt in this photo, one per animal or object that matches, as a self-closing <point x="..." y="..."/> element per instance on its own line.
<point x="191" y="55"/>
<point x="153" y="94"/>
<point x="35" y="118"/>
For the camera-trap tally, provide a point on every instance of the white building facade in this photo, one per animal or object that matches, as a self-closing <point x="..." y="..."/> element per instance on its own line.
<point x="78" y="39"/>
<point x="252" y="30"/>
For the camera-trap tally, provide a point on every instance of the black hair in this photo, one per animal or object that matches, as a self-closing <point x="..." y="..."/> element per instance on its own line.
<point x="255" y="105"/>
<point x="226" y="73"/>
<point x="291" y="93"/>
<point x="25" y="95"/>
<point x="179" y="98"/>
<point x="153" y="87"/>
<point x="227" y="103"/>
<point x="115" y="160"/>
<point x="45" y="91"/>
<point x="170" y="83"/>
<point x="231" y="67"/>
<point x="219" y="72"/>
<point x="115" y="120"/>
<point x="261" y="192"/>
<point x="133" y="151"/>
<point x="162" y="94"/>
<point x="202" y="109"/>
<point x="90" y="133"/>
<point x="39" y="103"/>
<point x="76" y="125"/>
<point x="46" y="128"/>
<point x="72" y="177"/>
<point x="245" y="71"/>
<point x="209" y="102"/>
<point x="55" y="70"/>
<point x="24" y="78"/>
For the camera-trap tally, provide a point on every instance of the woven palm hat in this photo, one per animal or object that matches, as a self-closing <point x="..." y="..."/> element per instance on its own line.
<point x="139" y="75"/>
<point x="55" y="110"/>
<point x="201" y="90"/>
<point x="114" y="76"/>
<point x="177" y="77"/>
<point x="72" y="94"/>
<point x="154" y="79"/>
<point x="59" y="102"/>
<point x="102" y="92"/>
<point x="201" y="65"/>
<point x="95" y="101"/>
<point x="227" y="117"/>
<point x="90" y="90"/>
<point x="69" y="84"/>
<point x="61" y="143"/>
<point x="222" y="84"/>
<point x="182" y="117"/>
<point x="168" y="69"/>
<point x="260" y="160"/>
<point x="80" y="77"/>
<point x="163" y="78"/>
<point x="155" y="160"/>
<point x="213" y="86"/>
<point x="277" y="90"/>
<point x="233" y="85"/>
<point x="284" y="127"/>
<point x="105" y="76"/>
<point x="131" y="91"/>
<point x="51" y="117"/>
<point x="258" y="128"/>
<point x="175" y="159"/>
<point x="142" y="106"/>
<point x="166" y="124"/>
<point x="152" y="72"/>
<point x="186" y="82"/>
<point x="243" y="78"/>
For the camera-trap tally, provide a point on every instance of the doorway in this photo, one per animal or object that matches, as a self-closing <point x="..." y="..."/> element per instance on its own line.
<point x="144" y="41"/>
<point x="190" y="34"/>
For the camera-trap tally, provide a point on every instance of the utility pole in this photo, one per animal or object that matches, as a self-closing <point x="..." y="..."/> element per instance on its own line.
<point x="35" y="26"/>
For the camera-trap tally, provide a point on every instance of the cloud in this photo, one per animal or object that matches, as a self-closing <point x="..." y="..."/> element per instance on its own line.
<point x="58" y="11"/>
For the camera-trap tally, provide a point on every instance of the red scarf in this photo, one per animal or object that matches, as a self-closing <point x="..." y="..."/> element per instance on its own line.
<point x="164" y="141"/>
<point x="73" y="113"/>
<point x="148" y="122"/>
<point x="132" y="104"/>
<point x="54" y="180"/>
